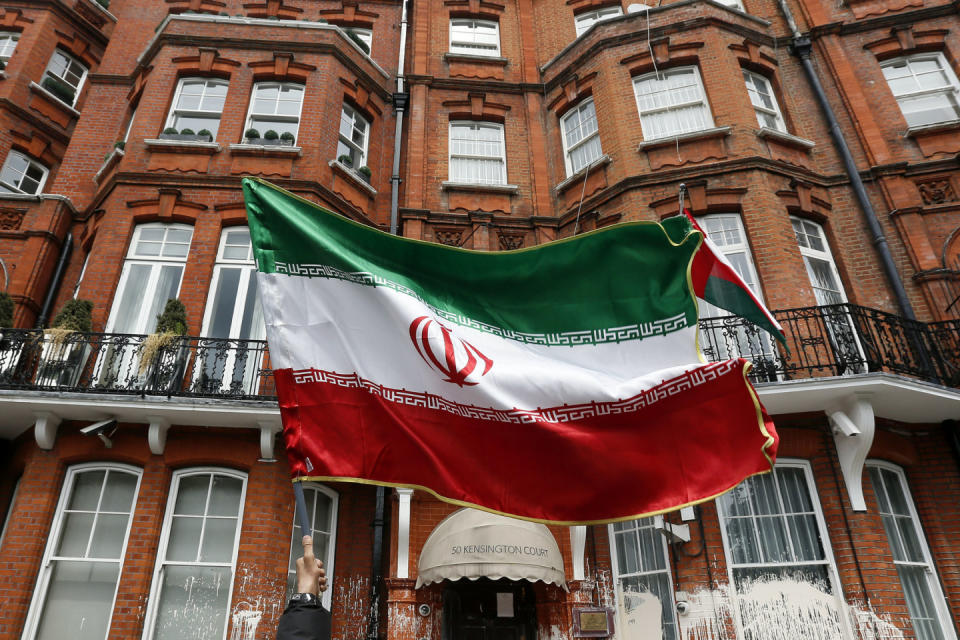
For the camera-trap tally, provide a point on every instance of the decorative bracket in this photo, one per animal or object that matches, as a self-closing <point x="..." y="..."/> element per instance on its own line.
<point x="45" y="430"/>
<point x="403" y="533"/>
<point x="157" y="434"/>
<point x="578" y="544"/>
<point x="853" y="426"/>
<point x="268" y="435"/>
<point x="673" y="532"/>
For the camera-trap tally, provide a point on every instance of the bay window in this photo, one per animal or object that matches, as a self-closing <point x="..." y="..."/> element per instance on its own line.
<point x="581" y="138"/>
<point x="779" y="557"/>
<point x="925" y="87"/>
<point x="22" y="174"/>
<point x="81" y="567"/>
<point x="354" y="137"/>
<point x="477" y="153"/>
<point x="642" y="570"/>
<point x="322" y="506"/>
<point x="928" y="611"/>
<point x="672" y="102"/>
<point x="764" y="101"/>
<point x="275" y="106"/>
<point x="64" y="77"/>
<point x="197" y="105"/>
<point x="474" y="37"/>
<point x="196" y="560"/>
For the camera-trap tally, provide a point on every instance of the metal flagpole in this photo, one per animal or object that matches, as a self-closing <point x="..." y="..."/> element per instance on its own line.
<point x="305" y="526"/>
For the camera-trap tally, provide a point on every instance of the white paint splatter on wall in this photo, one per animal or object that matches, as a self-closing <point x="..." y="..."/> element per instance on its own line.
<point x="640" y="616"/>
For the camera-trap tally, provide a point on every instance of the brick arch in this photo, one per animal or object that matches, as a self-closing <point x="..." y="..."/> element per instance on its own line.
<point x="13" y="20"/>
<point x="571" y="92"/>
<point x="282" y="67"/>
<point x="476" y="107"/>
<point x="350" y="14"/>
<point x="207" y="62"/>
<point x="272" y="9"/>
<point x="231" y="214"/>
<point x="363" y="97"/>
<point x="77" y="47"/>
<point x="202" y="6"/>
<point x="666" y="53"/>
<point x="475" y="9"/>
<point x="582" y="6"/>
<point x="37" y="146"/>
<point x="751" y="55"/>
<point x="904" y="40"/>
<point x="806" y="201"/>
<point x="893" y="448"/>
<point x="168" y="206"/>
<point x="702" y="200"/>
<point x="950" y="256"/>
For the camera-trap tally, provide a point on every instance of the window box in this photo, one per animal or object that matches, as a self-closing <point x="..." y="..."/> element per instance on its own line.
<point x="786" y="138"/>
<point x="354" y="176"/>
<point x="186" y="137"/>
<point x="182" y="146"/>
<point x="268" y="142"/>
<point x="467" y="186"/>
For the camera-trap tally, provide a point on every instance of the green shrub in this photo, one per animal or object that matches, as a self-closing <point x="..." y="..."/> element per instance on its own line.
<point x="205" y="132"/>
<point x="75" y="315"/>
<point x="171" y="131"/>
<point x="360" y="43"/>
<point x="187" y="132"/>
<point x="271" y="135"/>
<point x="120" y="144"/>
<point x="345" y="159"/>
<point x="173" y="319"/>
<point x="365" y="170"/>
<point x="59" y="88"/>
<point x="286" y="135"/>
<point x="104" y="3"/>
<point x="6" y="310"/>
<point x="251" y="133"/>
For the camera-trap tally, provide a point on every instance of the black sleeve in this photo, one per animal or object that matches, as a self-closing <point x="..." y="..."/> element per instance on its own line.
<point x="302" y="621"/>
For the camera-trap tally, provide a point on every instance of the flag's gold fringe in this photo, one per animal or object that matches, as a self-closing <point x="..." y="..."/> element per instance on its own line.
<point x="461" y="503"/>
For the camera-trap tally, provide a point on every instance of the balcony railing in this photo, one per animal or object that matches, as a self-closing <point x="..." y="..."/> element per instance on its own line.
<point x="834" y="340"/>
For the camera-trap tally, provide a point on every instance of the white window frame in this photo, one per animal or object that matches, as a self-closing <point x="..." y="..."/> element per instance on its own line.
<point x="8" y="44"/>
<point x="254" y="358"/>
<point x="46" y="566"/>
<point x="353" y="115"/>
<point x="251" y="114"/>
<point x="126" y="133"/>
<point x="150" y="619"/>
<point x="477" y="124"/>
<point x="952" y="90"/>
<point x="296" y="548"/>
<point x="469" y="46"/>
<point x="156" y="263"/>
<point x="704" y="104"/>
<point x="174" y="111"/>
<point x="364" y="34"/>
<point x="568" y="149"/>
<point x="643" y="523"/>
<point x="583" y="21"/>
<point x="31" y="162"/>
<point x="933" y="579"/>
<point x="829" y="561"/>
<point x="71" y="61"/>
<point x="757" y="83"/>
<point x="6" y="520"/>
<point x="826" y="255"/>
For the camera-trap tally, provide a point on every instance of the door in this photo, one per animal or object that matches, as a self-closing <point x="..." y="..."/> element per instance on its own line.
<point x="487" y="609"/>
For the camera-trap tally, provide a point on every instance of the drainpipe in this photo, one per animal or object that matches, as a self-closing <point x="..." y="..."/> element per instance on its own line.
<point x="802" y="48"/>
<point x="400" y="101"/>
<point x="373" y="621"/>
<point x="65" y="252"/>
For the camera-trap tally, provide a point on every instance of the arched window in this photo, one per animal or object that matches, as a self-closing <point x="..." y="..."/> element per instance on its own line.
<point x="81" y="567"/>
<point x="583" y="21"/>
<point x="322" y="504"/>
<point x="918" y="577"/>
<point x="196" y="560"/>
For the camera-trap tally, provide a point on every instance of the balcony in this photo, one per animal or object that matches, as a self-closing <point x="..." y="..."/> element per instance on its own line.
<point x="829" y="341"/>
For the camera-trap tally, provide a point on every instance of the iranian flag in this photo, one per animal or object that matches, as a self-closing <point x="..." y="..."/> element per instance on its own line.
<point x="718" y="282"/>
<point x="560" y="383"/>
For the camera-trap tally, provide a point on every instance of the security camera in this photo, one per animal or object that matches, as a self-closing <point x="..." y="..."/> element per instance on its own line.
<point x="101" y="430"/>
<point x="424" y="610"/>
<point x="683" y="608"/>
<point x="99" y="427"/>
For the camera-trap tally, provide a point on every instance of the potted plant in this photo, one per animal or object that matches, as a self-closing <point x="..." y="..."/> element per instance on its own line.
<point x="345" y="160"/>
<point x="186" y="135"/>
<point x="271" y="137"/>
<point x="287" y="138"/>
<point x="66" y="347"/>
<point x="63" y="91"/>
<point x="360" y="43"/>
<point x="162" y="359"/>
<point x="365" y="173"/>
<point x="250" y="135"/>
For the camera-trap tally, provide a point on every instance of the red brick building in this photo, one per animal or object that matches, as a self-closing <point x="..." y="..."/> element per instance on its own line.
<point x="143" y="488"/>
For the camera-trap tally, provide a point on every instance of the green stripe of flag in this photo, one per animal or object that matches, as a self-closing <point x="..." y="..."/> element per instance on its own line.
<point x="618" y="276"/>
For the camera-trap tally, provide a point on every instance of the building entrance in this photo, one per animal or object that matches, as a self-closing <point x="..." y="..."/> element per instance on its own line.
<point x="486" y="609"/>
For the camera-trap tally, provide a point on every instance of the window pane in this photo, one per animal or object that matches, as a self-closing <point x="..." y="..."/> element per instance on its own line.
<point x="218" y="537"/>
<point x="75" y="535"/>
<point x="108" y="536"/>
<point x="167" y="286"/>
<point x="224" y="299"/>
<point x="184" y="541"/>
<point x="118" y="494"/>
<point x="192" y="495"/>
<point x="193" y="603"/>
<point x="743" y="541"/>
<point x="916" y="589"/>
<point x="225" y="497"/>
<point x="79" y="601"/>
<point x="87" y="486"/>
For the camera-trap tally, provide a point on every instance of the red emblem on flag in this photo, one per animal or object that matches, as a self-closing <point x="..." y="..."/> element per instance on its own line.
<point x="452" y="356"/>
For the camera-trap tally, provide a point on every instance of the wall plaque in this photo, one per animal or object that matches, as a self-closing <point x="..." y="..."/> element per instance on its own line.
<point x="592" y="622"/>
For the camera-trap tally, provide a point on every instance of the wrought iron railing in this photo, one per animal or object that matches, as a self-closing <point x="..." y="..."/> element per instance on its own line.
<point x="833" y="340"/>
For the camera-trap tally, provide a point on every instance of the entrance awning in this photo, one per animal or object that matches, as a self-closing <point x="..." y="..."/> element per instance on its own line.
<point x="474" y="544"/>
